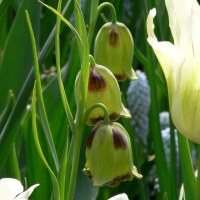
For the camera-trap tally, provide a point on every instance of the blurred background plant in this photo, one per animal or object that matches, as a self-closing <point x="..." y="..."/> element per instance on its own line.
<point x="153" y="138"/>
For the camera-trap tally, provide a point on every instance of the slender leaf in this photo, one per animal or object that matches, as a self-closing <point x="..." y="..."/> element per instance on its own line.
<point x="187" y="170"/>
<point x="38" y="147"/>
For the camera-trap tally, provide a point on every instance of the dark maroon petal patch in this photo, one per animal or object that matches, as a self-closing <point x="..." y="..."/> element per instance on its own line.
<point x="118" y="179"/>
<point x="96" y="81"/>
<point x="91" y="137"/>
<point x="118" y="139"/>
<point x="113" y="37"/>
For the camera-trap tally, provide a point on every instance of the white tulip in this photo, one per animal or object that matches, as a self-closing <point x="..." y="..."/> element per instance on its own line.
<point x="120" y="197"/>
<point x="12" y="189"/>
<point x="180" y="62"/>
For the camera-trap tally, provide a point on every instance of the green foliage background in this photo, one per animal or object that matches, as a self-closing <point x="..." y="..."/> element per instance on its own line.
<point x="18" y="154"/>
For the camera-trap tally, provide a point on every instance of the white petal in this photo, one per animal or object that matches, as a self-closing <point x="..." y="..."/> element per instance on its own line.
<point x="9" y="188"/>
<point x="27" y="193"/>
<point x="150" y="24"/>
<point x="184" y="20"/>
<point x="168" y="55"/>
<point x="120" y="197"/>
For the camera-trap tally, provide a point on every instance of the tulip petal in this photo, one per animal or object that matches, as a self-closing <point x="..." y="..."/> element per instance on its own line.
<point x="184" y="20"/>
<point x="10" y="188"/>
<point x="171" y="60"/>
<point x="168" y="55"/>
<point x="27" y="193"/>
<point x="119" y="197"/>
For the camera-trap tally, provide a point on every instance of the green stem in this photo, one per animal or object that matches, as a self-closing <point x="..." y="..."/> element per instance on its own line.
<point x="173" y="168"/>
<point x="76" y="154"/>
<point x="83" y="88"/>
<point x="112" y="9"/>
<point x="92" y="62"/>
<point x="103" y="107"/>
<point x="161" y="163"/>
<point x="187" y="170"/>
<point x="198" y="177"/>
<point x="45" y="123"/>
<point x="62" y="89"/>
<point x="94" y="18"/>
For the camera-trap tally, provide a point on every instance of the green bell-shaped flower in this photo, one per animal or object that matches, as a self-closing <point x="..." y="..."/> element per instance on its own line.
<point x="109" y="155"/>
<point x="114" y="49"/>
<point x="102" y="88"/>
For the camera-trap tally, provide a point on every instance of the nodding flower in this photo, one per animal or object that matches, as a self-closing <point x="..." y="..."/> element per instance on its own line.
<point x="102" y="88"/>
<point x="109" y="155"/>
<point x="114" y="48"/>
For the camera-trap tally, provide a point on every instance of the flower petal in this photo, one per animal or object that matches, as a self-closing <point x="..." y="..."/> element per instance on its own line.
<point x="27" y="193"/>
<point x="10" y="188"/>
<point x="119" y="197"/>
<point x="171" y="60"/>
<point x="168" y="55"/>
<point x="184" y="25"/>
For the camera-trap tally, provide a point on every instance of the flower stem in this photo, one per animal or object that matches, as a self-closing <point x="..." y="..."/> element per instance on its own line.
<point x="95" y="11"/>
<point x="198" y="177"/>
<point x="187" y="170"/>
<point x="112" y="9"/>
<point x="103" y="107"/>
<point x="161" y="163"/>
<point x="79" y="120"/>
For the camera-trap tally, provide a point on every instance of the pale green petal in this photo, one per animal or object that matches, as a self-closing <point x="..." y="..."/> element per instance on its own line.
<point x="27" y="193"/>
<point x="190" y="98"/>
<point x="9" y="188"/>
<point x="184" y="20"/>
<point x="171" y="61"/>
<point x="168" y="55"/>
<point x="150" y="24"/>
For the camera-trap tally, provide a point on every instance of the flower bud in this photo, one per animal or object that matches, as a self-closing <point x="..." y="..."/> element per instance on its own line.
<point x="114" y="49"/>
<point x="102" y="88"/>
<point x="109" y="156"/>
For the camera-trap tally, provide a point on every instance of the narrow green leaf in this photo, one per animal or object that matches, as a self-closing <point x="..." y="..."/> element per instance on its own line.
<point x="12" y="69"/>
<point x="8" y="133"/>
<point x="3" y="5"/>
<point x="62" y="89"/>
<point x="7" y="109"/>
<point x="45" y="123"/>
<point x="38" y="147"/>
<point x="66" y="22"/>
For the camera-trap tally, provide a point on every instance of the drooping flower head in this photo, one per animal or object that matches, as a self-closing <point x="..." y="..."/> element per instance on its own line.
<point x="102" y="88"/>
<point x="180" y="62"/>
<point x="114" y="49"/>
<point x="109" y="155"/>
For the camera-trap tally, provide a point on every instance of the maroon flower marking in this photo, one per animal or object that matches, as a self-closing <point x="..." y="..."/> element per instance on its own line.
<point x="118" y="139"/>
<point x="96" y="81"/>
